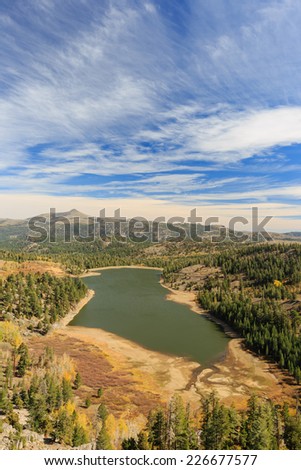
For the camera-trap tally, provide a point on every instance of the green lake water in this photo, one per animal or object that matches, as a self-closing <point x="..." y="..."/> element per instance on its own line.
<point x="132" y="303"/>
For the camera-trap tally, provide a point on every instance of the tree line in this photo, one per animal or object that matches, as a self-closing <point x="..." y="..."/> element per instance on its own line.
<point x="262" y="425"/>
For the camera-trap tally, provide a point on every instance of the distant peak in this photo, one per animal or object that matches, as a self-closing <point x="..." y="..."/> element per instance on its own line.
<point x="73" y="213"/>
<point x="68" y="214"/>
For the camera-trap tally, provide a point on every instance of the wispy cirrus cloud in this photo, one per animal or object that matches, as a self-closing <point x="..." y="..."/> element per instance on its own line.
<point x="229" y="135"/>
<point x="188" y="99"/>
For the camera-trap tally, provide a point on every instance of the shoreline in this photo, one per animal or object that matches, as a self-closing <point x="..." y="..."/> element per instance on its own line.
<point x="236" y="354"/>
<point x="95" y="271"/>
<point x="63" y="322"/>
<point x="160" y="373"/>
<point x="189" y="298"/>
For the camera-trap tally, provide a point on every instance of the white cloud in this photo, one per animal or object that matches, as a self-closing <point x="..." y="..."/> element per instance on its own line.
<point x="229" y="135"/>
<point x="252" y="132"/>
<point x="104" y="78"/>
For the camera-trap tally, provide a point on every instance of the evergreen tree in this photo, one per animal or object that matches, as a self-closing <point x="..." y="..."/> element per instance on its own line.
<point x="77" y="381"/>
<point x="103" y="440"/>
<point x="156" y="427"/>
<point x="102" y="412"/>
<point x="24" y="360"/>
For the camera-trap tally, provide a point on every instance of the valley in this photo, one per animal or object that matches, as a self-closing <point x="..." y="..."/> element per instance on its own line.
<point x="136" y="332"/>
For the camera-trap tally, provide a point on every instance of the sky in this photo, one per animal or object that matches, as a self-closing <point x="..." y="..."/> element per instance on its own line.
<point x="156" y="107"/>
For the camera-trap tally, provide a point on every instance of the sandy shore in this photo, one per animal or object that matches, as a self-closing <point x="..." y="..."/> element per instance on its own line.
<point x="160" y="373"/>
<point x="189" y="299"/>
<point x="95" y="271"/>
<point x="241" y="372"/>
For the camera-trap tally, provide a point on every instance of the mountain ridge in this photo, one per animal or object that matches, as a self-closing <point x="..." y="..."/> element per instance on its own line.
<point x="9" y="224"/>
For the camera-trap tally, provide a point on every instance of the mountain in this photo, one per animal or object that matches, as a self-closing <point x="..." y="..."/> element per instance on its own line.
<point x="293" y="234"/>
<point x="9" y="222"/>
<point x="15" y="231"/>
<point x="71" y="215"/>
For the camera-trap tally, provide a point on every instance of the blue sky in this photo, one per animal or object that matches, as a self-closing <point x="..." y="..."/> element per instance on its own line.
<point x="172" y="104"/>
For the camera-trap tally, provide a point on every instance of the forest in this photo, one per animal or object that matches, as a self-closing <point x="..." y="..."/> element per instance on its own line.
<point x="263" y="425"/>
<point x="264" y="307"/>
<point x="38" y="300"/>
<point x="45" y="387"/>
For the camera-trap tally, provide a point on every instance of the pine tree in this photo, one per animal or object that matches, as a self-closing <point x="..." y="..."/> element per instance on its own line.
<point x="24" y="360"/>
<point x="102" y="412"/>
<point x="66" y="390"/>
<point x="157" y="430"/>
<point x="77" y="381"/>
<point x="103" y="440"/>
<point x="130" y="444"/>
<point x="79" y="436"/>
<point x="9" y="373"/>
<point x="142" y="441"/>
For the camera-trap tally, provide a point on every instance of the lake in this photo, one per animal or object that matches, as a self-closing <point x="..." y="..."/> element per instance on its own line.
<point x="132" y="303"/>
